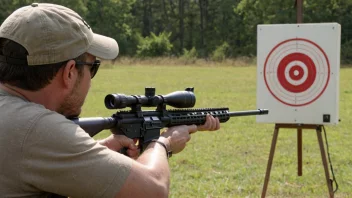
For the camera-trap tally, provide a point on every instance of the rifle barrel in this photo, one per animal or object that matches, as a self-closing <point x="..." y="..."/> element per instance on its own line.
<point x="250" y="112"/>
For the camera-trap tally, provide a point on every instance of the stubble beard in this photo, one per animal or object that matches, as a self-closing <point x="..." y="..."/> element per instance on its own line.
<point x="72" y="105"/>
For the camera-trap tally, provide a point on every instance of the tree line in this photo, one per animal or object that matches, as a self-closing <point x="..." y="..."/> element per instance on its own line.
<point x="214" y="29"/>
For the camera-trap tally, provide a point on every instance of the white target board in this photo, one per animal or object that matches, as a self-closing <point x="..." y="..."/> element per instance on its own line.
<point x="298" y="73"/>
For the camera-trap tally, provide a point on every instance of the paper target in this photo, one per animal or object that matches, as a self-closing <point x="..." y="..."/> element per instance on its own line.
<point x="298" y="72"/>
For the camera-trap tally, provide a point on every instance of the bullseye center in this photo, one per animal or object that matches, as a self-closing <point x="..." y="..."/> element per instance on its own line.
<point x="296" y="72"/>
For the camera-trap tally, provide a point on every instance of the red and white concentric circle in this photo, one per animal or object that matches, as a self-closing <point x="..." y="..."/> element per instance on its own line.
<point x="297" y="72"/>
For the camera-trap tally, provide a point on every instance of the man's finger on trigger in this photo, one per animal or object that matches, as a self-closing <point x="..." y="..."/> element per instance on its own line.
<point x="132" y="146"/>
<point x="125" y="141"/>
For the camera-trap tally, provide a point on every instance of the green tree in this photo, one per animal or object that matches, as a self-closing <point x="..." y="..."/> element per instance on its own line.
<point x="113" y="18"/>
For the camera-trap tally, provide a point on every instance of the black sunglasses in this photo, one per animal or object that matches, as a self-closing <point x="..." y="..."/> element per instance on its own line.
<point x="94" y="66"/>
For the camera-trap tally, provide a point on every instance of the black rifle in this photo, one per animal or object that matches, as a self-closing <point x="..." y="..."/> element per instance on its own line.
<point x="146" y="125"/>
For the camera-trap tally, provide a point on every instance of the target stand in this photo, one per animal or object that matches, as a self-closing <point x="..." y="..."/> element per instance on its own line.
<point x="299" y="128"/>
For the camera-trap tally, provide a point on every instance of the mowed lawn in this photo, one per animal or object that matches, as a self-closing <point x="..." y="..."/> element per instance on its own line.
<point x="232" y="162"/>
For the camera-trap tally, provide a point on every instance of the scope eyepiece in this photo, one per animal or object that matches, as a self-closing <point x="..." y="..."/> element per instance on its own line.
<point x="118" y="101"/>
<point x="178" y="99"/>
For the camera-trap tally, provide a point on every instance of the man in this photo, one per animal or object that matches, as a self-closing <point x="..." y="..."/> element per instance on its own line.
<point x="47" y="59"/>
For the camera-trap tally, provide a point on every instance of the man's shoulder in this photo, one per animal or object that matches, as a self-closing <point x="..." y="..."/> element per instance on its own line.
<point x="23" y="118"/>
<point x="12" y="106"/>
<point x="15" y="111"/>
<point x="28" y="113"/>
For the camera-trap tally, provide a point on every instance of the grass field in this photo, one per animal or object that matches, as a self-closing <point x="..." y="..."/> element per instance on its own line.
<point x="232" y="162"/>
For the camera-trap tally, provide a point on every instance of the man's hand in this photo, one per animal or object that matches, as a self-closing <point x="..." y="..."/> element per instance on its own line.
<point x="117" y="142"/>
<point x="176" y="137"/>
<point x="211" y="124"/>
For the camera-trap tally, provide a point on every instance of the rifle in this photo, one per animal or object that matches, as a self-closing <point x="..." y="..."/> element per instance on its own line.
<point x="146" y="125"/>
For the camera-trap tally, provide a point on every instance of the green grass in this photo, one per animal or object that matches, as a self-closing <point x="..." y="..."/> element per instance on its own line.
<point x="232" y="162"/>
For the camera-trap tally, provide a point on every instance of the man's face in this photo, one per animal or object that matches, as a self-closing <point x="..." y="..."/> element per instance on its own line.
<point x="73" y="102"/>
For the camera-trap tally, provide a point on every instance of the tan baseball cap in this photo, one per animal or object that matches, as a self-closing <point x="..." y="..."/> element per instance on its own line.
<point x="53" y="33"/>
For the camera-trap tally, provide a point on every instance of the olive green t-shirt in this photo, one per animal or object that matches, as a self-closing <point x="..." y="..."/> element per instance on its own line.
<point x="41" y="151"/>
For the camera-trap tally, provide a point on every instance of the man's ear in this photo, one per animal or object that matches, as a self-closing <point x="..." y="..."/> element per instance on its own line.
<point x="69" y="74"/>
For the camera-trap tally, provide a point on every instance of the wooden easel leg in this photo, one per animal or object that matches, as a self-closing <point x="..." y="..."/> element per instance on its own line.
<point x="325" y="164"/>
<point x="270" y="161"/>
<point x="299" y="152"/>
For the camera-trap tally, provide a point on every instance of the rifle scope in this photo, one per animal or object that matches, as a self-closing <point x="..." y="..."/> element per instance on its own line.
<point x="178" y="99"/>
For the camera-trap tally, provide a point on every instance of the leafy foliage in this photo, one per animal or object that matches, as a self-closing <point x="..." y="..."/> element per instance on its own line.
<point x="346" y="52"/>
<point x="153" y="45"/>
<point x="190" y="56"/>
<point x="221" y="52"/>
